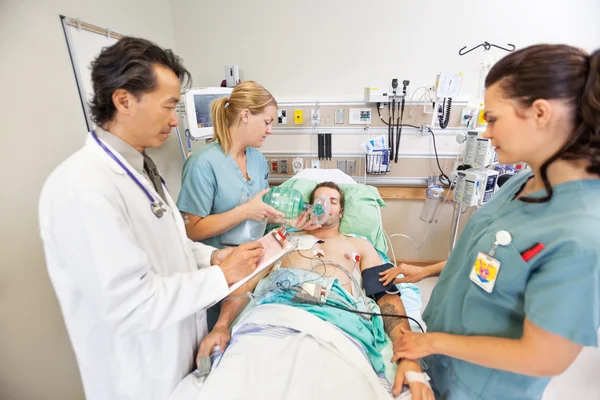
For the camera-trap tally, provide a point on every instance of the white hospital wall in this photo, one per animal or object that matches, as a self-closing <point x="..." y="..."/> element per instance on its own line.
<point x="42" y="123"/>
<point x="319" y="50"/>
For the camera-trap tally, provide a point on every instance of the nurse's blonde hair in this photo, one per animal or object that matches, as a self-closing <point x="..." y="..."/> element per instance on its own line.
<point x="225" y="111"/>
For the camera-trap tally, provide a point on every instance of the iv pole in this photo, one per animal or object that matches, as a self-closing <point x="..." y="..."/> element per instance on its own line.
<point x="454" y="235"/>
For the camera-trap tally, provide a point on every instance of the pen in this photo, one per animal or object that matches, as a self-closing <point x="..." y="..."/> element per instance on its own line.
<point x="532" y="252"/>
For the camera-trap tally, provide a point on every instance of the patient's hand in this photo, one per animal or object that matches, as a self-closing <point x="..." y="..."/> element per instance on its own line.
<point x="419" y="391"/>
<point x="218" y="336"/>
<point x="303" y="223"/>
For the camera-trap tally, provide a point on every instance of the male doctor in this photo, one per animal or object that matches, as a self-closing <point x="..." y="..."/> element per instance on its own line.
<point x="133" y="289"/>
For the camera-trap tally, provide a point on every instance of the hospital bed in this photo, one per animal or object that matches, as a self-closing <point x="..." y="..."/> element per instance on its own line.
<point x="315" y="359"/>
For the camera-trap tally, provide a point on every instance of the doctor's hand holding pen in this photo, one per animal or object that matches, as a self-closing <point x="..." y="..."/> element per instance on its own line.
<point x="238" y="262"/>
<point x="412" y="273"/>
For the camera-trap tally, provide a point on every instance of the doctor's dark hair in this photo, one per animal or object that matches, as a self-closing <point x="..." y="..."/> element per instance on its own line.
<point x="225" y="112"/>
<point x="558" y="72"/>
<point x="129" y="64"/>
<point x="331" y="185"/>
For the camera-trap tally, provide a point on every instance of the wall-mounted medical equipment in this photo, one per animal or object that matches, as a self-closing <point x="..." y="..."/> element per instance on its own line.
<point x="359" y="116"/>
<point x="447" y="87"/>
<point x="232" y="75"/>
<point x="377" y="156"/>
<point x="484" y="153"/>
<point x="197" y="110"/>
<point x="297" y="164"/>
<point x="433" y="194"/>
<point x="378" y="95"/>
<point x="475" y="186"/>
<point x="396" y="102"/>
<point x="324" y="142"/>
<point x="401" y="103"/>
<point x="477" y="151"/>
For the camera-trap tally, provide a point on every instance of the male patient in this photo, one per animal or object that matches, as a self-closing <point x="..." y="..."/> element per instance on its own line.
<point x="328" y="254"/>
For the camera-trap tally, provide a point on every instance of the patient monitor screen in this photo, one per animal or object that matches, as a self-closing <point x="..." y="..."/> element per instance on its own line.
<point x="202" y="105"/>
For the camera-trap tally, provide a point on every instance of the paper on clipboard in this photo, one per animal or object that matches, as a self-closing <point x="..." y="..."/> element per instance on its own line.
<point x="273" y="253"/>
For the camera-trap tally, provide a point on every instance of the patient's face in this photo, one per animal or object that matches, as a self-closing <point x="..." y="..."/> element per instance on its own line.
<point x="335" y="210"/>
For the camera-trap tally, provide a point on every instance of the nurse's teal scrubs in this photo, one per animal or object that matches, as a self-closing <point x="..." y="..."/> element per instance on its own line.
<point x="557" y="290"/>
<point x="212" y="183"/>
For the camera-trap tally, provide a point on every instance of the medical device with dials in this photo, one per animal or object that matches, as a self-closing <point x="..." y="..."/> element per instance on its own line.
<point x="447" y="87"/>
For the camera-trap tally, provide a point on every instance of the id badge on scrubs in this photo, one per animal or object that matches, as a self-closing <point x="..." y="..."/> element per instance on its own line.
<point x="485" y="271"/>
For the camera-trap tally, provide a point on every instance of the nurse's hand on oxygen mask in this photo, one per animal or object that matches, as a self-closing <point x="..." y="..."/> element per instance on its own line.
<point x="257" y="210"/>
<point x="242" y="261"/>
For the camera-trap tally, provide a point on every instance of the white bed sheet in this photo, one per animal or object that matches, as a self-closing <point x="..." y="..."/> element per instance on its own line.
<point x="319" y="362"/>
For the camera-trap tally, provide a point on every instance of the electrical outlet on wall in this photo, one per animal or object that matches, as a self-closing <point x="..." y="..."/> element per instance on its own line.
<point x="341" y="165"/>
<point x="298" y="117"/>
<point x="274" y="166"/>
<point x="315" y="164"/>
<point x="351" y="167"/>
<point x="283" y="166"/>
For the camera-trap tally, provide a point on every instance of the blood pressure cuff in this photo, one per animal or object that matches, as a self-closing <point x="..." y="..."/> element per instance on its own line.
<point x="375" y="289"/>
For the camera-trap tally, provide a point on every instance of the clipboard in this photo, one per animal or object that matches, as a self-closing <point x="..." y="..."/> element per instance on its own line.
<point x="276" y="247"/>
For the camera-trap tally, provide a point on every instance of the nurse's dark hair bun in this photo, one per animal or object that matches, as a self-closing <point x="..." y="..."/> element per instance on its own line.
<point x="557" y="72"/>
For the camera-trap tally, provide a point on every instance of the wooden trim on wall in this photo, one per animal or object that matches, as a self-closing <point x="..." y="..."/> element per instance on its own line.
<point x="404" y="193"/>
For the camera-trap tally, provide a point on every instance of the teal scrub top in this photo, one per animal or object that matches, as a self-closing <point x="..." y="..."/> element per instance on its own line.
<point x="557" y="290"/>
<point x="212" y="183"/>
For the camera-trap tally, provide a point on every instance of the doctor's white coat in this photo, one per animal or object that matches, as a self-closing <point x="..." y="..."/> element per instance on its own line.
<point x="131" y="286"/>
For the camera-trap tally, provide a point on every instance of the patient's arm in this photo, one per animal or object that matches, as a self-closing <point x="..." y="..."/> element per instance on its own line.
<point x="391" y="304"/>
<point x="231" y="307"/>
<point x="233" y="304"/>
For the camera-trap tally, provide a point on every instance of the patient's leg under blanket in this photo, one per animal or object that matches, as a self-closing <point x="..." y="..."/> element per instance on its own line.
<point x="280" y="352"/>
<point x="291" y="367"/>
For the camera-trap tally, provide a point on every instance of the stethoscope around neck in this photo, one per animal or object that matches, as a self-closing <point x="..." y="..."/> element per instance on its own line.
<point x="157" y="206"/>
